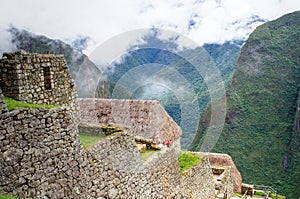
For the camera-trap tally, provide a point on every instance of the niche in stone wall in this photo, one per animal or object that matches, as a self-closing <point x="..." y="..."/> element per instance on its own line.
<point x="47" y="78"/>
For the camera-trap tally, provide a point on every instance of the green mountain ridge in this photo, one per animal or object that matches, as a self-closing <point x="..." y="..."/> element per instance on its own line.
<point x="164" y="62"/>
<point x="84" y="72"/>
<point x="261" y="108"/>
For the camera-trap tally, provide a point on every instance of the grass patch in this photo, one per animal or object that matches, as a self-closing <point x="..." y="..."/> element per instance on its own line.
<point x="259" y="193"/>
<point x="187" y="160"/>
<point x="89" y="140"/>
<point x="272" y="195"/>
<point x="4" y="196"/>
<point x="237" y="195"/>
<point x="13" y="104"/>
<point x="147" y="153"/>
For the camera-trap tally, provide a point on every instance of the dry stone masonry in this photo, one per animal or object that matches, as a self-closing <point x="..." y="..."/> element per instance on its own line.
<point x="38" y="79"/>
<point x="200" y="176"/>
<point x="218" y="160"/>
<point x="146" y="118"/>
<point x="3" y="108"/>
<point x="41" y="155"/>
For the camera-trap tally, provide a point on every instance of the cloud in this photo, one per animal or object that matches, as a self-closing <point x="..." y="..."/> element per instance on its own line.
<point x="203" y="21"/>
<point x="5" y="38"/>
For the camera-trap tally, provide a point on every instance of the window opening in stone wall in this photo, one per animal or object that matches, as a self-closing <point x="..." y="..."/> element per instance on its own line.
<point x="47" y="78"/>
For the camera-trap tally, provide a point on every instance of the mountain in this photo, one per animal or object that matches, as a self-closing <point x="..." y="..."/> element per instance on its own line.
<point x="164" y="72"/>
<point x="261" y="127"/>
<point x="84" y="72"/>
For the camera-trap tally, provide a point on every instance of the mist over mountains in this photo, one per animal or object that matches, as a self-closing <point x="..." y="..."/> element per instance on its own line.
<point x="163" y="73"/>
<point x="167" y="73"/>
<point x="262" y="78"/>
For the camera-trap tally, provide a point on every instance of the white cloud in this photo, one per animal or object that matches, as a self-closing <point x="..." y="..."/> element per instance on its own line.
<point x="5" y="38"/>
<point x="202" y="21"/>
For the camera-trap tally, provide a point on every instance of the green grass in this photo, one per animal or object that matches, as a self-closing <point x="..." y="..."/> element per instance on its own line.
<point x="187" y="160"/>
<point x="4" y="196"/>
<point x="13" y="104"/>
<point x="147" y="153"/>
<point x="89" y="140"/>
<point x="259" y="193"/>
<point x="272" y="195"/>
<point x="237" y="195"/>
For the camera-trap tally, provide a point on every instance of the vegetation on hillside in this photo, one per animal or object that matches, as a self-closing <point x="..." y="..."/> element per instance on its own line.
<point x="262" y="99"/>
<point x="222" y="56"/>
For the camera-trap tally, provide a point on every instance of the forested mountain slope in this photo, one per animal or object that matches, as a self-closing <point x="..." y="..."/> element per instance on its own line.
<point x="222" y="56"/>
<point x="262" y="99"/>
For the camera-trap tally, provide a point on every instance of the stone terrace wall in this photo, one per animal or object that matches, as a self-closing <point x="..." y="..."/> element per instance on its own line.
<point x="40" y="154"/>
<point x="3" y="108"/>
<point x="146" y="118"/>
<point x="164" y="173"/>
<point x="130" y="177"/>
<point x="41" y="157"/>
<point x="38" y="79"/>
<point x="225" y="181"/>
<point x="198" y="180"/>
<point x="223" y="160"/>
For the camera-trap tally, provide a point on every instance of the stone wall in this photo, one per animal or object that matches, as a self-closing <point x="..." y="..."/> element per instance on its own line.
<point x="223" y="160"/>
<point x="3" y="108"/>
<point x="41" y="157"/>
<point x="164" y="173"/>
<point x="146" y="118"/>
<point x="38" y="79"/>
<point x="128" y="176"/>
<point x="224" y="183"/>
<point x="40" y="153"/>
<point x="198" y="180"/>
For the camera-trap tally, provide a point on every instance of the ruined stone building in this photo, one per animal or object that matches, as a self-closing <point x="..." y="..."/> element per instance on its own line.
<point x="41" y="155"/>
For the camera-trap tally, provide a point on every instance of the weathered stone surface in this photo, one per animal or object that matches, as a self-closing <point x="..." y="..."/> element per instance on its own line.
<point x="3" y="108"/>
<point x="38" y="79"/>
<point x="224" y="181"/>
<point x="198" y="180"/>
<point x="221" y="160"/>
<point x="145" y="118"/>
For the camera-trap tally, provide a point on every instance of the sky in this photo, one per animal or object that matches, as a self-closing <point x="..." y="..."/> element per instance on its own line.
<point x="203" y="21"/>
